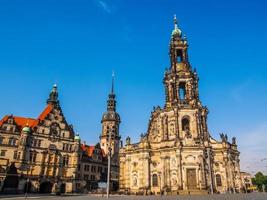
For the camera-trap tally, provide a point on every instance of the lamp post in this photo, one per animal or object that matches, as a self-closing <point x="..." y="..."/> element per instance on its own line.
<point x="27" y="182"/>
<point x="160" y="183"/>
<point x="210" y="172"/>
<point x="109" y="159"/>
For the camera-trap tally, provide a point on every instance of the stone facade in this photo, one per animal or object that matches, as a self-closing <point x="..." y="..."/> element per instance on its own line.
<point x="177" y="154"/>
<point x="46" y="153"/>
<point x="42" y="151"/>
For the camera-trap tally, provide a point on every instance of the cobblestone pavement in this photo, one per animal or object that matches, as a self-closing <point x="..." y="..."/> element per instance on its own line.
<point x="254" y="196"/>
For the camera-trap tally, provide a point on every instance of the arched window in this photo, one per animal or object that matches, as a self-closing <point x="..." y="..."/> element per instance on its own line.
<point x="135" y="181"/>
<point x="182" y="91"/>
<point x="218" y="180"/>
<point x="155" y="180"/>
<point x="185" y="124"/>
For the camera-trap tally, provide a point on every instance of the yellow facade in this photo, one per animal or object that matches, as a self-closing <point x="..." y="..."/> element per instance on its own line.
<point x="177" y="155"/>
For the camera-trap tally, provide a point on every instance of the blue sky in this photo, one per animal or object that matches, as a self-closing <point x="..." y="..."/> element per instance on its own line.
<point x="77" y="44"/>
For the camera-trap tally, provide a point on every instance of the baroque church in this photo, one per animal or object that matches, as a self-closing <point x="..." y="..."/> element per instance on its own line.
<point x="178" y="155"/>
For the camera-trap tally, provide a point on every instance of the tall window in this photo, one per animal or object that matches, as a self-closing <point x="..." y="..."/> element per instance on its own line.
<point x="1" y="139"/>
<point x="218" y="180"/>
<point x="182" y="91"/>
<point x="33" y="156"/>
<point x="155" y="180"/>
<point x="185" y="124"/>
<point x="15" y="155"/>
<point x="65" y="161"/>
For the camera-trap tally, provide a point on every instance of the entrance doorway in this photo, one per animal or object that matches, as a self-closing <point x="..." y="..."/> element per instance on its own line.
<point x="28" y="187"/>
<point x="46" y="187"/>
<point x="191" y="179"/>
<point x="63" y="188"/>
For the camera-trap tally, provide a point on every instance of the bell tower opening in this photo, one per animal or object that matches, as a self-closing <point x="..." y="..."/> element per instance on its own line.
<point x="185" y="124"/>
<point x="182" y="91"/>
<point x="179" y="56"/>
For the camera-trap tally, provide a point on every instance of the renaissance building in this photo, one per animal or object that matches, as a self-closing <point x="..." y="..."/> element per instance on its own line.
<point x="38" y="155"/>
<point x="178" y="155"/>
<point x="45" y="155"/>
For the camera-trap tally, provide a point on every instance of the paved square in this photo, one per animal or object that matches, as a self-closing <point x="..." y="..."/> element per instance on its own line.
<point x="254" y="196"/>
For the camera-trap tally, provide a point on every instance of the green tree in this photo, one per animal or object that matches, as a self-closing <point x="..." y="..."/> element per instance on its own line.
<point x="260" y="180"/>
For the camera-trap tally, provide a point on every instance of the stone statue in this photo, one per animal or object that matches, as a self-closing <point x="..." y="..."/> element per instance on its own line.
<point x="128" y="140"/>
<point x="234" y="140"/>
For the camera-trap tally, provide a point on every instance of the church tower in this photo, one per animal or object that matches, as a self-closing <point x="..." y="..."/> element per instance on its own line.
<point x="181" y="84"/>
<point x="110" y="126"/>
<point x="177" y="155"/>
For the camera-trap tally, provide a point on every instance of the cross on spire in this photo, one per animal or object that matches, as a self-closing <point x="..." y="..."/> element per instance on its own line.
<point x="175" y="22"/>
<point x="112" y="86"/>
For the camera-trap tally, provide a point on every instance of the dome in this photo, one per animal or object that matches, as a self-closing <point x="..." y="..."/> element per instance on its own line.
<point x="77" y="137"/>
<point x="111" y="116"/>
<point x="176" y="32"/>
<point x="26" y="129"/>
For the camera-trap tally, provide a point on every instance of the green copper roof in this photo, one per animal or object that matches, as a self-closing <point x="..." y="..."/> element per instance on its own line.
<point x="26" y="129"/>
<point x="77" y="137"/>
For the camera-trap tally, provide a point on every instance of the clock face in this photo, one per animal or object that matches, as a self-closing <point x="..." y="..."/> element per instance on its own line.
<point x="54" y="130"/>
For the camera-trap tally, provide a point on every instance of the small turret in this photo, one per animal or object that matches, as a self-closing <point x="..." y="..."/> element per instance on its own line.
<point x="53" y="96"/>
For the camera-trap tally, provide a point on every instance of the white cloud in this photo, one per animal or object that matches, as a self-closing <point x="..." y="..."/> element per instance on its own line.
<point x="104" y="6"/>
<point x="240" y="90"/>
<point x="253" y="148"/>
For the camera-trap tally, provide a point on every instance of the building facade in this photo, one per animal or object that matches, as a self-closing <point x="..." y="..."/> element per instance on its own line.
<point x="177" y="155"/>
<point x="45" y="155"/>
<point x="38" y="155"/>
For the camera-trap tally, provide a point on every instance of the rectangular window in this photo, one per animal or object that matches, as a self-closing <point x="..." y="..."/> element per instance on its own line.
<point x="36" y="143"/>
<point x="33" y="156"/>
<point x="65" y="161"/>
<point x="99" y="169"/>
<point x="15" y="155"/>
<point x="39" y="143"/>
<point x="3" y="153"/>
<point x="12" y="141"/>
<point x="1" y="140"/>
<point x="92" y="177"/>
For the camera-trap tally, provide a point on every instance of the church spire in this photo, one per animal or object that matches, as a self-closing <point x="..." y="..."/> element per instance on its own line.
<point x="176" y="31"/>
<point x="111" y="97"/>
<point x="53" y="96"/>
<point x="175" y="22"/>
<point x="112" y="86"/>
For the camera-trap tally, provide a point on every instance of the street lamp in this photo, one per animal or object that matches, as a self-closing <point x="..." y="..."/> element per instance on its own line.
<point x="27" y="182"/>
<point x="160" y="183"/>
<point x="109" y="158"/>
<point x="210" y="171"/>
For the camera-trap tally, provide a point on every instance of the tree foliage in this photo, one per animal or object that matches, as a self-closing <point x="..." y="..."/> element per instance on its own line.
<point x="260" y="180"/>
